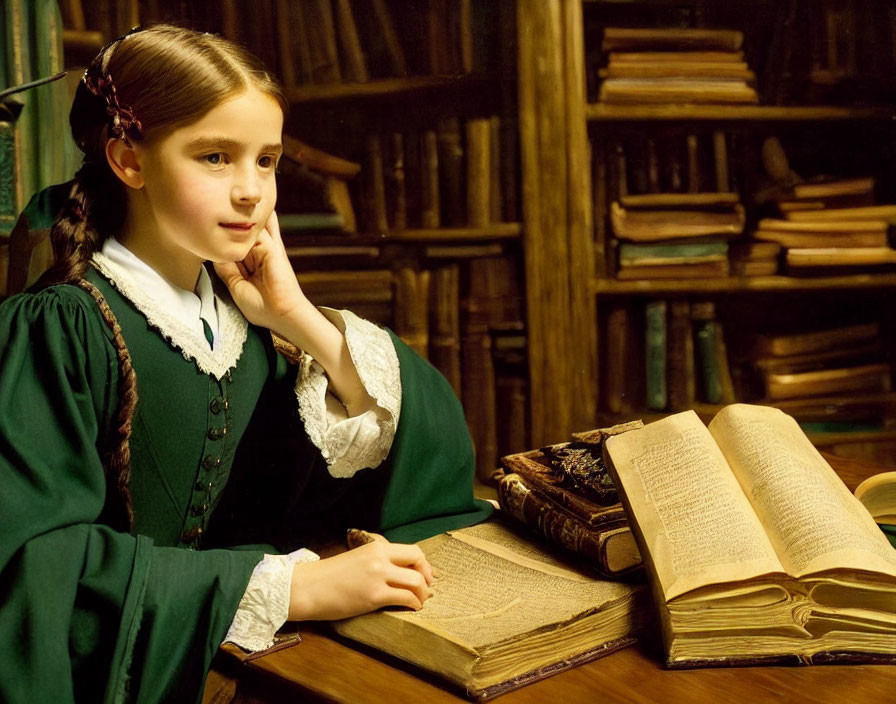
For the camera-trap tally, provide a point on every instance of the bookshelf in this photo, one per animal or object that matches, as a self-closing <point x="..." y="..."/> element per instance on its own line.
<point x="832" y="111"/>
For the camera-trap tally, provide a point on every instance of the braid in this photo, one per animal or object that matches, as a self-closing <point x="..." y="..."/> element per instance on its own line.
<point x="117" y="457"/>
<point x="91" y="214"/>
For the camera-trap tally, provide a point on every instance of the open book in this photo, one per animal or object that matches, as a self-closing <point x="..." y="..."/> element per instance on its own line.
<point x="503" y="613"/>
<point x="756" y="551"/>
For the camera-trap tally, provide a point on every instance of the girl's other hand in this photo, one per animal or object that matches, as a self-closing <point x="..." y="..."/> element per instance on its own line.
<point x="364" y="579"/>
<point x="264" y="285"/>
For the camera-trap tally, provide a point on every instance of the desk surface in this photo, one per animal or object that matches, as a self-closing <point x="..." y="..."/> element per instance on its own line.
<point x="321" y="668"/>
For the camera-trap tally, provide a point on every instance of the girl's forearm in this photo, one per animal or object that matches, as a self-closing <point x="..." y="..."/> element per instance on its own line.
<point x="308" y="329"/>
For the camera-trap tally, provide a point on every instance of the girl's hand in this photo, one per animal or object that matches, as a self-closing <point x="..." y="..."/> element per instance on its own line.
<point x="364" y="579"/>
<point x="264" y="285"/>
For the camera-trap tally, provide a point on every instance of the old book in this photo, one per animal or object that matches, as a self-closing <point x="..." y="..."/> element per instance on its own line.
<point x="320" y="34"/>
<point x="680" y="371"/>
<point x="444" y="341"/>
<point x="709" y="268"/>
<point x="678" y="252"/>
<point x="756" y="551"/>
<point x="534" y="468"/>
<point x="354" y="65"/>
<point x="811" y="257"/>
<point x="620" y="360"/>
<point x="756" y="267"/>
<point x="677" y="90"/>
<point x="430" y="209"/>
<point x="816" y="340"/>
<point x="661" y="38"/>
<point x="396" y="183"/>
<point x="838" y="187"/>
<point x="868" y="377"/>
<point x="660" y="57"/>
<point x="412" y="308"/>
<point x="716" y="385"/>
<point x="609" y="548"/>
<point x="724" y="201"/>
<point x="678" y="69"/>
<point x="386" y="29"/>
<point x="655" y="313"/>
<point x="878" y="494"/>
<point x="374" y="186"/>
<point x="478" y="170"/>
<point x="886" y="213"/>
<point x="504" y="613"/>
<point x="863" y="352"/>
<point x="650" y="225"/>
<point x="815" y="239"/>
<point x="451" y="172"/>
<point x="844" y="227"/>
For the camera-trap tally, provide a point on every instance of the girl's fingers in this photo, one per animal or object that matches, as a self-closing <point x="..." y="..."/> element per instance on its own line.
<point x="403" y="597"/>
<point x="408" y="580"/>
<point x="413" y="557"/>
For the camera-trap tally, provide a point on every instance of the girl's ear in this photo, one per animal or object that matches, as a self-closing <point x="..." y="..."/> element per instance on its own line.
<point x="124" y="162"/>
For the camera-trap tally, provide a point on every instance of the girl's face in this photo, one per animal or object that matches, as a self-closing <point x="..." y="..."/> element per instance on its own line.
<point x="208" y="187"/>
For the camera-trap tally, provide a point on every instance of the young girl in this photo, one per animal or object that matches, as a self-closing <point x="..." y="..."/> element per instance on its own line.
<point x="149" y="424"/>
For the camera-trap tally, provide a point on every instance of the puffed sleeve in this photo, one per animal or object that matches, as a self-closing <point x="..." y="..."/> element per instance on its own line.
<point x="88" y="613"/>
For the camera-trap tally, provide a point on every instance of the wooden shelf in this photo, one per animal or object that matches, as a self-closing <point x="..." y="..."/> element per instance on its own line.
<point x="603" y="113"/>
<point x="742" y="284"/>
<point x="496" y="231"/>
<point x="388" y="87"/>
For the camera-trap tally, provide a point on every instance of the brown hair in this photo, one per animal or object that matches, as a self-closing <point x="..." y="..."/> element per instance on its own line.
<point x="165" y="77"/>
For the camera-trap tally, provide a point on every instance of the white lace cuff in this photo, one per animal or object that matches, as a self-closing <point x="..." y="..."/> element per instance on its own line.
<point x="351" y="444"/>
<point x="265" y="604"/>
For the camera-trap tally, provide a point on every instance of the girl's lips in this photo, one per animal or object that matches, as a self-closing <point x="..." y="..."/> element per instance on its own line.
<point x="238" y="225"/>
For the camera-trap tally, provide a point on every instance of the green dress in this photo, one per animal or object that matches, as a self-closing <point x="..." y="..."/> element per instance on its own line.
<point x="91" y="611"/>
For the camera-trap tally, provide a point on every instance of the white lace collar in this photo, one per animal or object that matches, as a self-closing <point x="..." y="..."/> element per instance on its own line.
<point x="166" y="310"/>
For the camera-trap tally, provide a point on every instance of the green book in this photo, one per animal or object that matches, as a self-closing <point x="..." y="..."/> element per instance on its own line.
<point x="655" y="354"/>
<point x="637" y="251"/>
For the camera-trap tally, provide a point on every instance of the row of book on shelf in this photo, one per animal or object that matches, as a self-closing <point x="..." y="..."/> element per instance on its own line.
<point x="822" y="227"/>
<point x="458" y="174"/>
<point x="736" y="543"/>
<point x="670" y="355"/>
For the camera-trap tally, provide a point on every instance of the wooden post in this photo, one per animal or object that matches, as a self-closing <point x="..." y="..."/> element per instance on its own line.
<point x="557" y="218"/>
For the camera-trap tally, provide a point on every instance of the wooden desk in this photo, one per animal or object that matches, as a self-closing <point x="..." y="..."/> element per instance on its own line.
<point x="320" y="668"/>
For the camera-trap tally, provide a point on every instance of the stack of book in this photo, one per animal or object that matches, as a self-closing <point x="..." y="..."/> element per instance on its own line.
<point x="564" y="493"/>
<point x="659" y="65"/>
<point x="846" y="359"/>
<point x="831" y="225"/>
<point x="675" y="235"/>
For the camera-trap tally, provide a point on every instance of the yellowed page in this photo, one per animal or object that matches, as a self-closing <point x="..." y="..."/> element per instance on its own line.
<point x="812" y="519"/>
<point x="697" y="524"/>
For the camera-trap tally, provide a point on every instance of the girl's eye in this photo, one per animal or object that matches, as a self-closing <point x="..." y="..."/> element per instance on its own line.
<point x="267" y="162"/>
<point x="214" y="159"/>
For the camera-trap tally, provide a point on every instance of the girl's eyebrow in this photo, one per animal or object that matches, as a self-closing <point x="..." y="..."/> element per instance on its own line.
<point x="204" y="143"/>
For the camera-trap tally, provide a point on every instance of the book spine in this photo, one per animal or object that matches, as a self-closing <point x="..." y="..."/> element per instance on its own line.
<point x="411" y="309"/>
<point x="397" y="183"/>
<point x="549" y="520"/>
<point x="445" y="324"/>
<point x="354" y="65"/>
<point x="375" y="187"/>
<point x="451" y="172"/>
<point x="430" y="210"/>
<point x="478" y="164"/>
<point x="680" y="357"/>
<point x="655" y="355"/>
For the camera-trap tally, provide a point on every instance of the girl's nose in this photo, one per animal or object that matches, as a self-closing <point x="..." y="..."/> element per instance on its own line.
<point x="246" y="189"/>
